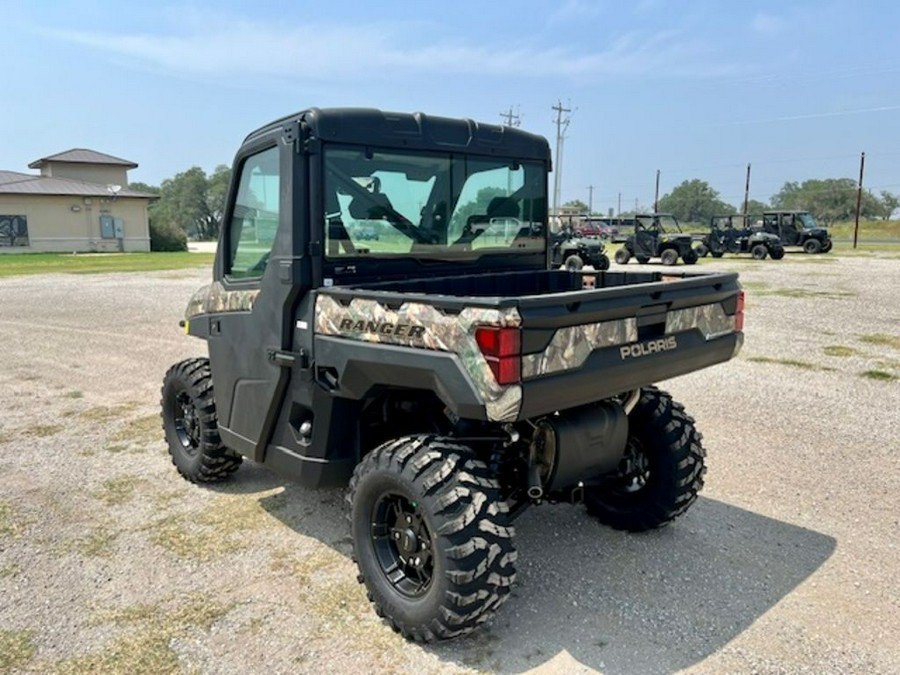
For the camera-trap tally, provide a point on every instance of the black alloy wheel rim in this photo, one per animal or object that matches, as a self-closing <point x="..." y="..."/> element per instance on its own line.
<point x="403" y="544"/>
<point x="634" y="468"/>
<point x="187" y="423"/>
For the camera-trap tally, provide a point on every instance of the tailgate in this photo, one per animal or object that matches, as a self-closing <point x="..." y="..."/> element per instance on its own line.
<point x="629" y="333"/>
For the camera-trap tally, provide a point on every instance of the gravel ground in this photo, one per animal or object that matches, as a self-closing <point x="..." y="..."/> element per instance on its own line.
<point x="109" y="562"/>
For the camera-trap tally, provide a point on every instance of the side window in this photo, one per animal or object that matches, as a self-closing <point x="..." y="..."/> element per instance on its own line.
<point x="254" y="219"/>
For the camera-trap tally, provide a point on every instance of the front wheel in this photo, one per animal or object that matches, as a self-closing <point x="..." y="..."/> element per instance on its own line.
<point x="622" y="256"/>
<point x="812" y="246"/>
<point x="702" y="250"/>
<point x="661" y="470"/>
<point x="573" y="263"/>
<point x="777" y="252"/>
<point x="690" y="257"/>
<point x="828" y="246"/>
<point x="601" y="262"/>
<point x="431" y="536"/>
<point x="191" y="425"/>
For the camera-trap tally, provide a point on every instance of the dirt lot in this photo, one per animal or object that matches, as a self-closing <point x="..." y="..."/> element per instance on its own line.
<point x="790" y="562"/>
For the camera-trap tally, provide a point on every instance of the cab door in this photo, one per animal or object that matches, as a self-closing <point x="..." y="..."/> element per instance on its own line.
<point x="257" y="262"/>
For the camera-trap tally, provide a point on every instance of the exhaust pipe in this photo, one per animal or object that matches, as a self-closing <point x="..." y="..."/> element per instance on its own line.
<point x="535" y="489"/>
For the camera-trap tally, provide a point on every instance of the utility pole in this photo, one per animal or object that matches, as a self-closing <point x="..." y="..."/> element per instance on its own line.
<point x="747" y="194"/>
<point x="656" y="194"/>
<point x="590" y="199"/>
<point x="562" y="125"/>
<point x="619" y="211"/>
<point x="862" y="165"/>
<point x="511" y="119"/>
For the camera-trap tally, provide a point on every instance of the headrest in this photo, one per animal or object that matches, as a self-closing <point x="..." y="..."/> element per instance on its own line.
<point x="503" y="207"/>
<point x="371" y="207"/>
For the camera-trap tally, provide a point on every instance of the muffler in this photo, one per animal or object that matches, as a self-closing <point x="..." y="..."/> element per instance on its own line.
<point x="578" y="444"/>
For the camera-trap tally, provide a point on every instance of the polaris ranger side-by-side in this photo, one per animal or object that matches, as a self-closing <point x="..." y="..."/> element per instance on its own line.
<point x="732" y="234"/>
<point x="797" y="228"/>
<point x="655" y="235"/>
<point x="445" y="374"/>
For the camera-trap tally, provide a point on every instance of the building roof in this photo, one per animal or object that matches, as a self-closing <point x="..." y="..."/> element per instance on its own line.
<point x="12" y="182"/>
<point x="83" y="156"/>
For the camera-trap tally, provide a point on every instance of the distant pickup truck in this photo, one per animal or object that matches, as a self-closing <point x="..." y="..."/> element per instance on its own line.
<point x="446" y="375"/>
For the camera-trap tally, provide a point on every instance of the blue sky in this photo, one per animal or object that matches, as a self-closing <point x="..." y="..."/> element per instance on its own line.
<point x="696" y="88"/>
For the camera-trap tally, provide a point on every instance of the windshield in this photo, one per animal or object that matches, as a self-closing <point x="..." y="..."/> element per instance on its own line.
<point x="663" y="223"/>
<point x="807" y="221"/>
<point x="390" y="204"/>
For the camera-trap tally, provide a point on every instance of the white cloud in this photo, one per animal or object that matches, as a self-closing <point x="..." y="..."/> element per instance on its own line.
<point x="232" y="48"/>
<point x="768" y="24"/>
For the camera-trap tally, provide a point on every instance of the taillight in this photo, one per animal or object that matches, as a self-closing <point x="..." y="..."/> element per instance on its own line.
<point x="739" y="312"/>
<point x="501" y="348"/>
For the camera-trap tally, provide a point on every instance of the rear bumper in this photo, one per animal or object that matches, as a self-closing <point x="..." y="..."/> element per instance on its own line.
<point x="607" y="372"/>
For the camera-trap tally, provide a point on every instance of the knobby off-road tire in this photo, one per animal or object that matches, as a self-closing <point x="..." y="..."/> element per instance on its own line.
<point x="702" y="250"/>
<point x="573" y="263"/>
<point x="669" y="256"/>
<point x="759" y="252"/>
<point x="828" y="246"/>
<point x="601" y="263"/>
<point x="812" y="246"/>
<point x="191" y="425"/>
<point x="622" y="256"/>
<point x="431" y="537"/>
<point x="661" y="472"/>
<point x="776" y="252"/>
<point x="690" y="258"/>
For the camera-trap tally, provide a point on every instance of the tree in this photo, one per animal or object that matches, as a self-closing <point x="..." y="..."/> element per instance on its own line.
<point x="478" y="205"/>
<point x="577" y="204"/>
<point x="891" y="203"/>
<point x="829" y="200"/>
<point x="194" y="202"/>
<point x="756" y="206"/>
<point x="694" y="201"/>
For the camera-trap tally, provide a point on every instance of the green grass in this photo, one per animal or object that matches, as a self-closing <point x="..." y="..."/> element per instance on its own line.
<point x="17" y="649"/>
<point x="882" y="340"/>
<point x="868" y="229"/>
<point x="97" y="263"/>
<point x="839" y="350"/>
<point x="878" y="375"/>
<point x="806" y="365"/>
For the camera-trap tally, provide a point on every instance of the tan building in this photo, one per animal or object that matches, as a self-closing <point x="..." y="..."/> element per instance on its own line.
<point x="79" y="202"/>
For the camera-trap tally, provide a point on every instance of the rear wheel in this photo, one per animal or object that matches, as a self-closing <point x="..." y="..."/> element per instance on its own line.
<point x="661" y="471"/>
<point x="812" y="246"/>
<point x="191" y="425"/>
<point x="431" y="536"/>
<point x="777" y="252"/>
<point x="718" y="254"/>
<point x="702" y="250"/>
<point x="759" y="252"/>
<point x="690" y="257"/>
<point x="601" y="263"/>
<point x="669" y="256"/>
<point x="622" y="256"/>
<point x="642" y="259"/>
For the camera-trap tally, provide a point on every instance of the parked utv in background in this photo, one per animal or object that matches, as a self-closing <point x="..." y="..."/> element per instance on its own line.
<point x="655" y="235"/>
<point x="797" y="228"/>
<point x="732" y="234"/>
<point x="574" y="252"/>
<point x="446" y="375"/>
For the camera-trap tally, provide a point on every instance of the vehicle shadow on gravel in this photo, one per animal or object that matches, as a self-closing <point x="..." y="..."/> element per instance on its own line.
<point x="585" y="594"/>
